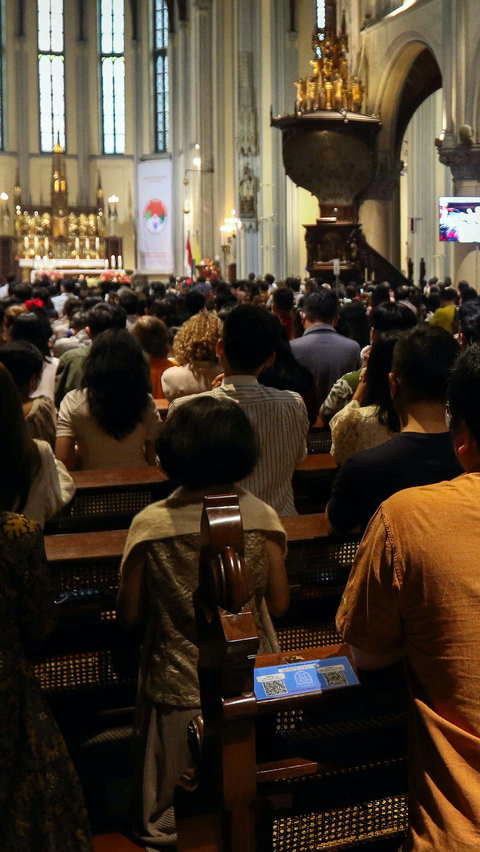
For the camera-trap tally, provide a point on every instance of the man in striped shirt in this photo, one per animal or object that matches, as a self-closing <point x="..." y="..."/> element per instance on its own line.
<point x="250" y="336"/>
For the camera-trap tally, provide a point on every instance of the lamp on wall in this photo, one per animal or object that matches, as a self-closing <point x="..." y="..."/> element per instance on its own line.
<point x="113" y="212"/>
<point x="228" y="233"/>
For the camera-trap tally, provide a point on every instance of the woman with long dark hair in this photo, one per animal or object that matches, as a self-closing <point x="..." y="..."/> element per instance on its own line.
<point x="34" y="327"/>
<point x="112" y="422"/>
<point x="29" y="475"/>
<point x="369" y="419"/>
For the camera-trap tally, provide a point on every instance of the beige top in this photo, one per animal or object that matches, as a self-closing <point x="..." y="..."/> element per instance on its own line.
<point x="355" y="429"/>
<point x="415" y="586"/>
<point x="41" y="420"/>
<point x="169" y="532"/>
<point x="193" y="378"/>
<point x="98" y="450"/>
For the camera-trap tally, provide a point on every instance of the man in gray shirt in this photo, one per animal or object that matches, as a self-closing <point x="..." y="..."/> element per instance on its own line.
<point x="327" y="354"/>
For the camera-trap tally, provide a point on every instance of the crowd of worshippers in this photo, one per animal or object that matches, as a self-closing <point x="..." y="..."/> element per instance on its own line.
<point x="247" y="369"/>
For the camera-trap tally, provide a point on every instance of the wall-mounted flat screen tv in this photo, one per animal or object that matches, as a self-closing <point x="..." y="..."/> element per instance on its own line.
<point x="459" y="219"/>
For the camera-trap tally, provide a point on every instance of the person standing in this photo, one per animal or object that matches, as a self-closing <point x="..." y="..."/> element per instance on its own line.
<point x="326" y="353"/>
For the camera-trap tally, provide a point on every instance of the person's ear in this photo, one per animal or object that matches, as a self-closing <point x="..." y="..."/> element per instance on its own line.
<point x="303" y="317"/>
<point x="393" y="385"/>
<point x="335" y="320"/>
<point x="87" y="329"/>
<point x="462" y="342"/>
<point x="463" y="441"/>
<point x="219" y="348"/>
<point x="270" y="361"/>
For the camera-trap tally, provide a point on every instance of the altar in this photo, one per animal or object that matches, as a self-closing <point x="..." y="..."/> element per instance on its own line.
<point x="62" y="238"/>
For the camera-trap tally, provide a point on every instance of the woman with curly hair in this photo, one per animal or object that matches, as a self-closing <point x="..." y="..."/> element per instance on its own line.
<point x="112" y="422"/>
<point x="195" y="347"/>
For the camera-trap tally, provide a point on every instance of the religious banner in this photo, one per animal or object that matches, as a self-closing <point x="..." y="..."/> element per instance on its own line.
<point x="154" y="226"/>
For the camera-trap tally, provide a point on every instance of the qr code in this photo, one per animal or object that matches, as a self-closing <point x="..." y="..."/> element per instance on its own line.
<point x="275" y="687"/>
<point x="335" y="678"/>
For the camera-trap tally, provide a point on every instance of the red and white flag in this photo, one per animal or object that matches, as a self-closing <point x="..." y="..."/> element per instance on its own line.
<point x="188" y="255"/>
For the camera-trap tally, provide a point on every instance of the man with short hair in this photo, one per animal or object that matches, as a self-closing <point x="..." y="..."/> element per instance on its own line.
<point x="70" y="366"/>
<point x="422" y="453"/>
<point x="128" y="300"/>
<point x="282" y="306"/>
<point x="249" y="338"/>
<point x="469" y="324"/>
<point x="67" y="290"/>
<point x="327" y="354"/>
<point x="77" y="335"/>
<point x="414" y="592"/>
<point x="445" y="314"/>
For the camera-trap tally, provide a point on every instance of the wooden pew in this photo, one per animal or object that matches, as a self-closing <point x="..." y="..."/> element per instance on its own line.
<point x="109" y="499"/>
<point x="326" y="769"/>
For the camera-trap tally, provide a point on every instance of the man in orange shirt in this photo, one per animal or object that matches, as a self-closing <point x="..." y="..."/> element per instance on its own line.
<point x="414" y="593"/>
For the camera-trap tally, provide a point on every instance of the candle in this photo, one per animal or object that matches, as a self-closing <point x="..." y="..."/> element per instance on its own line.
<point x="373" y="275"/>
<point x="87" y="244"/>
<point x="119" y="261"/>
<point x="47" y="244"/>
<point x="112" y="262"/>
<point x="35" y="242"/>
<point x="25" y="242"/>
<point x="106" y="263"/>
<point x="77" y="243"/>
<point x="366" y="274"/>
<point x="97" y="244"/>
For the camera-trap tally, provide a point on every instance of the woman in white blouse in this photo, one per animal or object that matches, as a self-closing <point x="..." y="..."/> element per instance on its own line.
<point x="28" y="466"/>
<point x="369" y="419"/>
<point x="112" y="422"/>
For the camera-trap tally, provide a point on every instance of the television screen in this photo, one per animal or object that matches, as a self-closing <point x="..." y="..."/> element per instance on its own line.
<point x="460" y="219"/>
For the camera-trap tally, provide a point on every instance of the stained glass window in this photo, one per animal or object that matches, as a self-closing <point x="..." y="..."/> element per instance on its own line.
<point x="51" y="73"/>
<point x="160" y="73"/>
<point x="320" y="9"/>
<point x="112" y="46"/>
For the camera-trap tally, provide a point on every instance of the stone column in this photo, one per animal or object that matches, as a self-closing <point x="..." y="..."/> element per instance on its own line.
<point x="83" y="123"/>
<point x="203" y="33"/>
<point x="23" y="118"/>
<point x="464" y="162"/>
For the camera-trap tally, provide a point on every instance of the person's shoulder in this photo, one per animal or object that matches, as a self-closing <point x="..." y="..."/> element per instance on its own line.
<point x="181" y="400"/>
<point x="74" y="399"/>
<point x="436" y="494"/>
<point x="288" y="397"/>
<point x="347" y="343"/>
<point x="75" y="354"/>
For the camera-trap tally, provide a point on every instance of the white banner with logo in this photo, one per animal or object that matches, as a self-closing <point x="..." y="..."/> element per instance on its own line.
<point x="154" y="226"/>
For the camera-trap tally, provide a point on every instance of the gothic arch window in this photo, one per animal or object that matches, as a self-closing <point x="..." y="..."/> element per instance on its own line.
<point x="160" y="73"/>
<point x="112" y="60"/>
<point x="320" y="13"/>
<point x="51" y="73"/>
